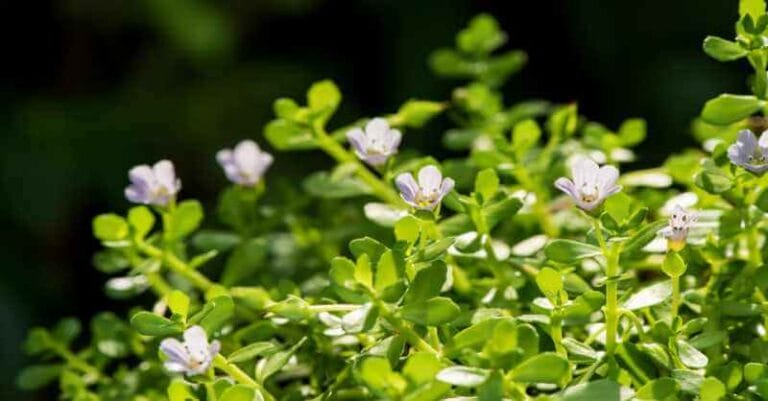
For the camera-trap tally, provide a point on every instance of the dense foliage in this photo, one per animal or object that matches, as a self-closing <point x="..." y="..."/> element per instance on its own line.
<point x="520" y="269"/>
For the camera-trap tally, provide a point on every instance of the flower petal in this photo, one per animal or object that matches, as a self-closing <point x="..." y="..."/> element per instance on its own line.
<point x="166" y="175"/>
<point x="606" y="180"/>
<point x="567" y="186"/>
<point x="356" y="138"/>
<point x="584" y="171"/>
<point x="174" y="350"/>
<point x="430" y="179"/>
<point x="196" y="341"/>
<point x="377" y="127"/>
<point x="407" y="186"/>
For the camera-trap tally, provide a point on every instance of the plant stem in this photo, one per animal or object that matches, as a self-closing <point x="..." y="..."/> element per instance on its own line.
<point x="556" y="332"/>
<point x="233" y="371"/>
<point x="333" y="308"/>
<point x="177" y="265"/>
<point x="74" y="360"/>
<point x="410" y="335"/>
<point x="612" y="300"/>
<point x="158" y="284"/>
<point x="675" y="296"/>
<point x="382" y="190"/>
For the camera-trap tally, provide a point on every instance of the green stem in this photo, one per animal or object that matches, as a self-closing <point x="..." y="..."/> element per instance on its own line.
<point x="333" y="308"/>
<point x="675" y="297"/>
<point x="175" y="264"/>
<point x="341" y="155"/>
<point x="410" y="335"/>
<point x="75" y="361"/>
<point x="234" y="372"/>
<point x="612" y="301"/>
<point x="556" y="332"/>
<point x="158" y="284"/>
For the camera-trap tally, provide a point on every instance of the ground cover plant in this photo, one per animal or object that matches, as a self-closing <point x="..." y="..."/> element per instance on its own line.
<point x="530" y="266"/>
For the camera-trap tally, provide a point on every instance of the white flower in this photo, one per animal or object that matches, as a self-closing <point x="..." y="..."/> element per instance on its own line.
<point x="377" y="143"/>
<point x="155" y="185"/>
<point x="591" y="184"/>
<point x="677" y="231"/>
<point x="192" y="357"/>
<point x="245" y="164"/>
<point x="428" y="192"/>
<point x="749" y="152"/>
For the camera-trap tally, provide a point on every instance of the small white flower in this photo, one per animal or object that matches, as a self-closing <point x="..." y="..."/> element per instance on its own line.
<point x="680" y="223"/>
<point x="155" y="185"/>
<point x="591" y="183"/>
<point x="376" y="143"/>
<point x="191" y="357"/>
<point x="245" y="164"/>
<point x="427" y="193"/>
<point x="749" y="152"/>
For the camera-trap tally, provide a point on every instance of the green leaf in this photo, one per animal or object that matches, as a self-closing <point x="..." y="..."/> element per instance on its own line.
<point x="432" y="312"/>
<point x="481" y="37"/>
<point x="110" y="227"/>
<point x="632" y="131"/>
<point x="386" y="272"/>
<point x="500" y="211"/>
<point x="150" y="324"/>
<point x="142" y="220"/>
<point x="276" y="362"/>
<point x="112" y="337"/>
<point x="215" y="313"/>
<point x="476" y="334"/>
<point x="727" y="109"/>
<point x="324" y="185"/>
<point x="245" y="262"/>
<point x="427" y="283"/>
<point x="214" y="240"/>
<point x="288" y="135"/>
<point x="690" y="356"/>
<point x="712" y="179"/>
<point x="493" y="388"/>
<point x="643" y="236"/>
<point x="416" y="113"/>
<point x="369" y="246"/>
<point x="487" y="184"/>
<point x="323" y="98"/>
<point x="421" y="367"/>
<point x="603" y="390"/>
<point x="178" y="302"/>
<point x="377" y="374"/>
<point x="673" y="265"/>
<point x="754" y="371"/>
<point x="407" y="229"/>
<point x="569" y="251"/>
<point x="754" y="8"/>
<point x="67" y="329"/>
<point x="363" y="271"/>
<point x="525" y="135"/>
<point x="185" y="219"/>
<point x="543" y="368"/>
<point x="37" y="376"/>
<point x="649" y="296"/>
<point x="250" y="351"/>
<point x="463" y="376"/>
<point x="659" y="389"/>
<point x="712" y="390"/>
<point x="179" y="391"/>
<point x="550" y="282"/>
<point x="238" y="392"/>
<point x="723" y="50"/>
<point x="618" y="206"/>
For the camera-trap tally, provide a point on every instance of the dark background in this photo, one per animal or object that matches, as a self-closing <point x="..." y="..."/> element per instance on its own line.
<point x="89" y="88"/>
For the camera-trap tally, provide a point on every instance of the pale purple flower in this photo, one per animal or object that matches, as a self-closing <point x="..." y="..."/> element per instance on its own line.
<point x="591" y="183"/>
<point x="155" y="185"/>
<point x="191" y="357"/>
<point x="677" y="231"/>
<point x="427" y="193"/>
<point x="245" y="164"/>
<point x="376" y="143"/>
<point x="749" y="152"/>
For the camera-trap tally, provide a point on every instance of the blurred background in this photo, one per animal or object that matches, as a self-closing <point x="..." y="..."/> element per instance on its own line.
<point x="89" y="88"/>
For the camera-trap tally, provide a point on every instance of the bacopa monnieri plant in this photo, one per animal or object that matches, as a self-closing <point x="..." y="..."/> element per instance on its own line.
<point x="532" y="267"/>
